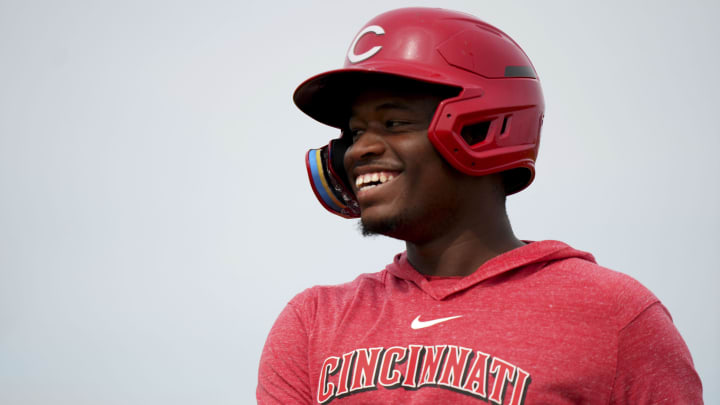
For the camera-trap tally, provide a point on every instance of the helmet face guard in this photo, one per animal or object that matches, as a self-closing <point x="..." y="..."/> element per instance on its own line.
<point x="492" y="125"/>
<point x="328" y="180"/>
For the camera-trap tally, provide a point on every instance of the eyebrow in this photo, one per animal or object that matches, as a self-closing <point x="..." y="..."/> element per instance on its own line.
<point x="386" y="106"/>
<point x="392" y="106"/>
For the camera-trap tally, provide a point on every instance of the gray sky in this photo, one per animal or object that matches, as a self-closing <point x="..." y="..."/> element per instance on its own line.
<point x="155" y="214"/>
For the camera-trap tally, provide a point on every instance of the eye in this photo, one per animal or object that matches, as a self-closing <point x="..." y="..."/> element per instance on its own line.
<point x="395" y="123"/>
<point x="354" y="134"/>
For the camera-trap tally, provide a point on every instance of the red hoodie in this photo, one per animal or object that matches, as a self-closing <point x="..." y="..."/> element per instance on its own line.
<point x="541" y="324"/>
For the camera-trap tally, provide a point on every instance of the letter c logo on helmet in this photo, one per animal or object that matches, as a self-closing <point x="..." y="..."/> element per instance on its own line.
<point x="355" y="58"/>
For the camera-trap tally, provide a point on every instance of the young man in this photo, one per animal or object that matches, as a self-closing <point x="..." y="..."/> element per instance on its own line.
<point x="440" y="116"/>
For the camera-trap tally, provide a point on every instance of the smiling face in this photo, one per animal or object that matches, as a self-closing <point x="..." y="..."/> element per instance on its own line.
<point x="404" y="187"/>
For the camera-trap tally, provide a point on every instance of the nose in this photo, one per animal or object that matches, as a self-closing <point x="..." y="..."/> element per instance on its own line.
<point x="368" y="145"/>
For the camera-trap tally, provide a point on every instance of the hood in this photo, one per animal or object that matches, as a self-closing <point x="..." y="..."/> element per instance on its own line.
<point x="535" y="254"/>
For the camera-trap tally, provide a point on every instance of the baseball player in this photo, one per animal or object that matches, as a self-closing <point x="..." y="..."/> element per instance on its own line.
<point x="440" y="116"/>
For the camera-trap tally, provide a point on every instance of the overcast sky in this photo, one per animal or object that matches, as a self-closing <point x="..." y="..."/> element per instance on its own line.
<point x="155" y="214"/>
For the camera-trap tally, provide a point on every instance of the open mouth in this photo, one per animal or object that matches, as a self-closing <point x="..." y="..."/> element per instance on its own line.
<point x="369" y="180"/>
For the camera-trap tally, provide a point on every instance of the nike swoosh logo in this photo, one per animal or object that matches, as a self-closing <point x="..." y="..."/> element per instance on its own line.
<point x="418" y="324"/>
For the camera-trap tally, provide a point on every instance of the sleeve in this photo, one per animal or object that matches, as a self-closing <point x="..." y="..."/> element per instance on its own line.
<point x="283" y="373"/>
<point x="654" y="364"/>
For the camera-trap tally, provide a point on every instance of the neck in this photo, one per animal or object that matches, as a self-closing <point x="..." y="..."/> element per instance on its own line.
<point x="459" y="252"/>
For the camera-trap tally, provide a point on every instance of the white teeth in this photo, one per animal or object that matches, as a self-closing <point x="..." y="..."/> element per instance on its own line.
<point x="363" y="181"/>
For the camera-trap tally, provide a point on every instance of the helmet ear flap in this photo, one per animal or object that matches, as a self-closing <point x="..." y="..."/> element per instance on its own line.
<point x="479" y="135"/>
<point x="328" y="180"/>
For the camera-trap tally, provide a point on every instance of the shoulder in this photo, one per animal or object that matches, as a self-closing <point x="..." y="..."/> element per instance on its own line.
<point x="318" y="307"/>
<point x="594" y="275"/>
<point x="340" y="291"/>
<point x="596" y="289"/>
<point x="332" y="298"/>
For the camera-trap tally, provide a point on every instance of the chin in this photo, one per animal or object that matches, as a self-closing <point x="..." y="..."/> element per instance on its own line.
<point x="388" y="225"/>
<point x="376" y="228"/>
<point x="408" y="225"/>
<point x="394" y="225"/>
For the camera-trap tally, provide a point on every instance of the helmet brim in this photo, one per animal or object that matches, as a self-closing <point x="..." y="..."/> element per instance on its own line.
<point x="327" y="97"/>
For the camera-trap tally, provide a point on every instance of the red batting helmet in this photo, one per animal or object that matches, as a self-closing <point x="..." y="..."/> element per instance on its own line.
<point x="498" y="100"/>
